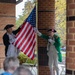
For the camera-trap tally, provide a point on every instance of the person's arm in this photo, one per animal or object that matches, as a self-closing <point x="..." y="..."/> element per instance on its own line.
<point x="44" y="36"/>
<point x="41" y="35"/>
<point x="16" y="31"/>
<point x="6" y="40"/>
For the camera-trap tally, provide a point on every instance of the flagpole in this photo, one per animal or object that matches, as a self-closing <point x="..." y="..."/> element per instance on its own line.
<point x="36" y="36"/>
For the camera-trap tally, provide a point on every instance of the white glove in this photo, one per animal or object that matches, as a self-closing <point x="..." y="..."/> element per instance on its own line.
<point x="51" y="41"/>
<point x="36" y="30"/>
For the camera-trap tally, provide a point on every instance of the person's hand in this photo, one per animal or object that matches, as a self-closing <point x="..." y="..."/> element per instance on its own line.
<point x="36" y="30"/>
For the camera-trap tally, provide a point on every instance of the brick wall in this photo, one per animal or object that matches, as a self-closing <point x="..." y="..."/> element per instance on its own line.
<point x="70" y="56"/>
<point x="46" y="19"/>
<point x="7" y="15"/>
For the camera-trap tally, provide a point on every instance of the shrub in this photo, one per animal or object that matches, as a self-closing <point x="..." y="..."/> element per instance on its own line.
<point x="24" y="59"/>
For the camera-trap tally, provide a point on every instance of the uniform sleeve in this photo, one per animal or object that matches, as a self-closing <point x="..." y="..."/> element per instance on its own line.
<point x="40" y="34"/>
<point x="16" y="31"/>
<point x="6" y="40"/>
<point x="44" y="37"/>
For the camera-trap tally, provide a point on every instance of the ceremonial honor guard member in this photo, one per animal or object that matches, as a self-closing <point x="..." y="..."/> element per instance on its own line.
<point x="8" y="39"/>
<point x="53" y="48"/>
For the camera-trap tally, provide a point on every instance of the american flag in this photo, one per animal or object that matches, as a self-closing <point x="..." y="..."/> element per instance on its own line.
<point x="25" y="40"/>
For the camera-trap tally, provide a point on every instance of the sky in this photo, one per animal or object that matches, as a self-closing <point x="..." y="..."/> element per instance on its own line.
<point x="19" y="8"/>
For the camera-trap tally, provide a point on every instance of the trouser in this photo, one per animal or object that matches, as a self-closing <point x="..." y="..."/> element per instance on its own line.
<point x="53" y="64"/>
<point x="52" y="71"/>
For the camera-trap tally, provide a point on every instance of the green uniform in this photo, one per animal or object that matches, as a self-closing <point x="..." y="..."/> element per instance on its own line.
<point x="54" y="52"/>
<point x="57" y="45"/>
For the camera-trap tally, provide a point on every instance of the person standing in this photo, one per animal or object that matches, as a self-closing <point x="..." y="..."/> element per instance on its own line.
<point x="8" y="39"/>
<point x="53" y="48"/>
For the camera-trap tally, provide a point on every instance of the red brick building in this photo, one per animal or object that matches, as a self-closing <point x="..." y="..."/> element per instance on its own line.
<point x="46" y="19"/>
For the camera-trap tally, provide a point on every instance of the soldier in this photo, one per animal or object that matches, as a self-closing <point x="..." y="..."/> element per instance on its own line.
<point x="53" y="48"/>
<point x="8" y="39"/>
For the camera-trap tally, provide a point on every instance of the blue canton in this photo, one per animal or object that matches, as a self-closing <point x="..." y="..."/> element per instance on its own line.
<point x="32" y="17"/>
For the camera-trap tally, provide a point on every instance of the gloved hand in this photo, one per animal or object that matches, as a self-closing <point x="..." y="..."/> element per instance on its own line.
<point x="36" y="30"/>
<point x="51" y="41"/>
